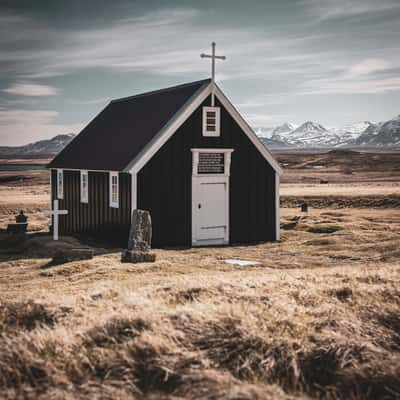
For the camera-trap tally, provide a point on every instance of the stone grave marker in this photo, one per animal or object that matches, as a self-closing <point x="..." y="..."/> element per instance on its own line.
<point x="139" y="242"/>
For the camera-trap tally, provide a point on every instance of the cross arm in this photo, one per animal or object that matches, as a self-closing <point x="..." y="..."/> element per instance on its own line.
<point x="51" y="212"/>
<point x="210" y="56"/>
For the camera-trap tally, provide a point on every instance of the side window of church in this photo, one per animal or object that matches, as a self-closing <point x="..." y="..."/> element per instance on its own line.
<point x="60" y="184"/>
<point x="211" y="121"/>
<point x="114" y="190"/>
<point x="84" y="187"/>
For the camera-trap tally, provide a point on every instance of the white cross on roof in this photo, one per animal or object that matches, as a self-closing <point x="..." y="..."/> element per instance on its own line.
<point x="213" y="57"/>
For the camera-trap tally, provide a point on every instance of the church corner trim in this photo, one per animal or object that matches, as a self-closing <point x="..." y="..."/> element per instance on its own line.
<point x="247" y="129"/>
<point x="277" y="208"/>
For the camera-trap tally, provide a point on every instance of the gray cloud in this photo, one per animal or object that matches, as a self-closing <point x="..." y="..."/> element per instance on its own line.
<point x="291" y="60"/>
<point x="327" y="9"/>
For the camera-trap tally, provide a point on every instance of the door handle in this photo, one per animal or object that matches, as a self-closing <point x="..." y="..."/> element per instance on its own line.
<point x="199" y="206"/>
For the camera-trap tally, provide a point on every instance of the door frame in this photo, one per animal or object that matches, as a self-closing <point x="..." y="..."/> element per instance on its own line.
<point x="198" y="179"/>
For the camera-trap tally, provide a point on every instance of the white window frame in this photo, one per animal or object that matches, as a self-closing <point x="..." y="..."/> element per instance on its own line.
<point x="60" y="184"/>
<point x="217" y="131"/>
<point x="114" y="189"/>
<point x="84" y="189"/>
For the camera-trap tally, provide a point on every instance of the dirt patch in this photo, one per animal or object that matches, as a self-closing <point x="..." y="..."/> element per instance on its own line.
<point x="343" y="294"/>
<point x="320" y="242"/>
<point x="324" y="229"/>
<point x="341" y="202"/>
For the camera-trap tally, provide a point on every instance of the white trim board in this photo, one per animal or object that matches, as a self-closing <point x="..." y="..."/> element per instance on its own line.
<point x="168" y="130"/>
<point x="134" y="191"/>
<point x="51" y="197"/>
<point x="165" y="133"/>
<point x="247" y="130"/>
<point x="277" y="208"/>
<point x="83" y="169"/>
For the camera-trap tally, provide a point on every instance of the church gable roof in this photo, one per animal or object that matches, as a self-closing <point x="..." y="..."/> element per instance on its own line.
<point x="129" y="131"/>
<point x="121" y="131"/>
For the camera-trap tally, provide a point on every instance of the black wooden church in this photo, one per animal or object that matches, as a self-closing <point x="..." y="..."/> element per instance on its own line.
<point x="183" y="153"/>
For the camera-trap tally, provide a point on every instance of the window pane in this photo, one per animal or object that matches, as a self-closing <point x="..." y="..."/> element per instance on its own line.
<point x="211" y="121"/>
<point x="60" y="184"/>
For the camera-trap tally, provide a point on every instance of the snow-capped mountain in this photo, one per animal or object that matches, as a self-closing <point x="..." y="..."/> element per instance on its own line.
<point x="284" y="128"/>
<point x="352" y="132"/>
<point x="40" y="148"/>
<point x="384" y="134"/>
<point x="309" y="134"/>
<point x="264" y="131"/>
<point x="367" y="135"/>
<point x="313" y="135"/>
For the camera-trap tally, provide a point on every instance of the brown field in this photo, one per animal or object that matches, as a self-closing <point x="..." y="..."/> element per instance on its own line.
<point x="319" y="317"/>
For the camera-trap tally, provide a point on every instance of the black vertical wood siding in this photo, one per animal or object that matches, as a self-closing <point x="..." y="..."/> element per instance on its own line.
<point x="96" y="218"/>
<point x="165" y="189"/>
<point x="165" y="185"/>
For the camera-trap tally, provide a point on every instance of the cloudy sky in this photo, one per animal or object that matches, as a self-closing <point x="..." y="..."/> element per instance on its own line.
<point x="331" y="61"/>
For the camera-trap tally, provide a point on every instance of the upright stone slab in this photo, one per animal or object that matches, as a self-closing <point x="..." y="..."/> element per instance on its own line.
<point x="139" y="242"/>
<point x="140" y="232"/>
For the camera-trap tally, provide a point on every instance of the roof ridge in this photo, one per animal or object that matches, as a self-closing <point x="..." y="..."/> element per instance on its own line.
<point x="160" y="90"/>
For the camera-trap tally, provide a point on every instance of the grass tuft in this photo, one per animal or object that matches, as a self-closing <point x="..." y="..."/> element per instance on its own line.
<point x="25" y="315"/>
<point x="344" y="293"/>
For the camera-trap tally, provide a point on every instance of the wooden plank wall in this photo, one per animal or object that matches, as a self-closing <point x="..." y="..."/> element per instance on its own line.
<point x="96" y="218"/>
<point x="165" y="185"/>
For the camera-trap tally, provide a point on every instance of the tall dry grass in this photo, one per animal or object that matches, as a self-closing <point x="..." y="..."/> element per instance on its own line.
<point x="317" y="318"/>
<point x="248" y="339"/>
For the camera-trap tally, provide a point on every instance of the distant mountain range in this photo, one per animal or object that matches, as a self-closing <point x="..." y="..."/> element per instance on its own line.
<point x="313" y="135"/>
<point x="310" y="134"/>
<point x="48" y="147"/>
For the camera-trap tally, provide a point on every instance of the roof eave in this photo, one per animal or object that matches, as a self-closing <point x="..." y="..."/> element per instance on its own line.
<point x="169" y="128"/>
<point x="248" y="130"/>
<point x="180" y="117"/>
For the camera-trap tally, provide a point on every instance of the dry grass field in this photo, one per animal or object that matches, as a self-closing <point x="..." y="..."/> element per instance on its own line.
<point x="318" y="317"/>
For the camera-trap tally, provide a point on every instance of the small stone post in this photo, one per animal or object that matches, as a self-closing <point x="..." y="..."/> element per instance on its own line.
<point x="139" y="242"/>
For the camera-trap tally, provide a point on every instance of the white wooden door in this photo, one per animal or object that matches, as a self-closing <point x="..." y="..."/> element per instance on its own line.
<point x="210" y="211"/>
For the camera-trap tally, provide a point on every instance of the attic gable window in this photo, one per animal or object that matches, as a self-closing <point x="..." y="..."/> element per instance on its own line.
<point x="211" y="121"/>
<point x="114" y="190"/>
<point x="60" y="184"/>
<point x="84" y="187"/>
